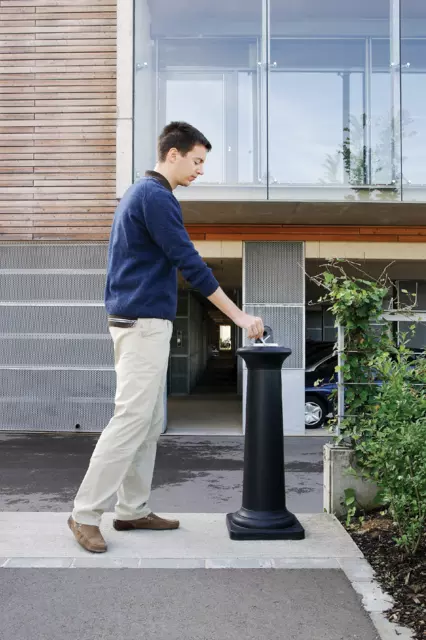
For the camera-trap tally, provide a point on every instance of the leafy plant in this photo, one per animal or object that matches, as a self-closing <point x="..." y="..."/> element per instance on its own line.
<point x="350" y="504"/>
<point x="357" y="305"/>
<point x="385" y="399"/>
<point x="390" y="443"/>
<point x="372" y="172"/>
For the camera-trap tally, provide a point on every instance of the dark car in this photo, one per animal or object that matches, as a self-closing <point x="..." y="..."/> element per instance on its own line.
<point x="320" y="381"/>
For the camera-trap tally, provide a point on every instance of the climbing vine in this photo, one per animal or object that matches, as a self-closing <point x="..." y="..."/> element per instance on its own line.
<point x="357" y="304"/>
<point x="385" y="397"/>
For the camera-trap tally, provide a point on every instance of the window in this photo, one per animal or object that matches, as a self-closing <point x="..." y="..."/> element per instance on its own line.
<point x="200" y="63"/>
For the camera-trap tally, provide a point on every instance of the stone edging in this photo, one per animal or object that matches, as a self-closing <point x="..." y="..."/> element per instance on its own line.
<point x="375" y="601"/>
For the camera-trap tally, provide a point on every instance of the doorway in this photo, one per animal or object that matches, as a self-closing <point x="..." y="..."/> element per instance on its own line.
<point x="204" y="387"/>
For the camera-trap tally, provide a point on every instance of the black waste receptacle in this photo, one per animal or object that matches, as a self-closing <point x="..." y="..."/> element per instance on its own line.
<point x="264" y="515"/>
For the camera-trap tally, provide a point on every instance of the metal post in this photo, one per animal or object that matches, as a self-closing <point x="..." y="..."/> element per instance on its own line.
<point x="367" y="118"/>
<point x="264" y="515"/>
<point x="395" y="80"/>
<point x="340" y="378"/>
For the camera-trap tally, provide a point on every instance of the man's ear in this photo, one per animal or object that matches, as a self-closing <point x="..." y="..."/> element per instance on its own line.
<point x="172" y="155"/>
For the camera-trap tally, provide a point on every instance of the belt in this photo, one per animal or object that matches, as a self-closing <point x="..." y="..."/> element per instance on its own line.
<point x="122" y="322"/>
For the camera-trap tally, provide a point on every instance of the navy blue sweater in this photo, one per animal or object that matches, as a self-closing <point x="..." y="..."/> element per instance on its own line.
<point x="148" y="243"/>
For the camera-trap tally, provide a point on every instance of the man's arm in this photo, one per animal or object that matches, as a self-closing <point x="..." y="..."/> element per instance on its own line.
<point x="164" y="222"/>
<point x="163" y="219"/>
<point x="252" y="324"/>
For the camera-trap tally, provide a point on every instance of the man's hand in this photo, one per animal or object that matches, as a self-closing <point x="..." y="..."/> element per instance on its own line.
<point x="252" y="324"/>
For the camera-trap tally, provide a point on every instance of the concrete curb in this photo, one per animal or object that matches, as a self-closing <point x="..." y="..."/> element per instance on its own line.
<point x="106" y="562"/>
<point x="374" y="600"/>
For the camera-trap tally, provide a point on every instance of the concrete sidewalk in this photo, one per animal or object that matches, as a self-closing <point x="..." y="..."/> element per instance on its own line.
<point x="44" y="540"/>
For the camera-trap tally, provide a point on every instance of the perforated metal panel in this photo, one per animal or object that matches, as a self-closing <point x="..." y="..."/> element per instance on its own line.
<point x="54" y="351"/>
<point x="274" y="273"/>
<point x="56" y="400"/>
<point x="53" y="320"/>
<point x="74" y="384"/>
<point x="52" y="286"/>
<point x="56" y="354"/>
<point x="288" y="327"/>
<point x="56" y="414"/>
<point x="274" y="289"/>
<point x="84" y="255"/>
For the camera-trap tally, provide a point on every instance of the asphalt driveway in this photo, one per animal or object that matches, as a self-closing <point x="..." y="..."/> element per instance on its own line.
<point x="42" y="472"/>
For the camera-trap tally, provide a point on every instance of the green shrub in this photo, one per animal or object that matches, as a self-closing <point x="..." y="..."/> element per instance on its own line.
<point x="389" y="440"/>
<point x="384" y="423"/>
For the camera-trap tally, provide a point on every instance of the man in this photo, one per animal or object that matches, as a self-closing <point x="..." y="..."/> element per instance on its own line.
<point x="148" y="244"/>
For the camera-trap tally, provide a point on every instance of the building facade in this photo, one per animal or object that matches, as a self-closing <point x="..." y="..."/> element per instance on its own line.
<point x="316" y="112"/>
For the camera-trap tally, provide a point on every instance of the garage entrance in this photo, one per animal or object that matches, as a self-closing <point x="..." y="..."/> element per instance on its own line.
<point x="205" y="379"/>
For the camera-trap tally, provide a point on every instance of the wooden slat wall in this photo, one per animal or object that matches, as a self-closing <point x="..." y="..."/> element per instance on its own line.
<point x="325" y="233"/>
<point x="57" y="132"/>
<point x="57" y="119"/>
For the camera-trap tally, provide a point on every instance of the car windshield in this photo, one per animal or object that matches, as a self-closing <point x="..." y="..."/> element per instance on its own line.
<point x="316" y="353"/>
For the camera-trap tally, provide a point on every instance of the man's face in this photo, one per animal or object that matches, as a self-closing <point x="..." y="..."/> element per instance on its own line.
<point x="187" y="168"/>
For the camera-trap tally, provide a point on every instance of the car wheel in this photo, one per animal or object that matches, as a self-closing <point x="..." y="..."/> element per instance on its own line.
<point x="315" y="412"/>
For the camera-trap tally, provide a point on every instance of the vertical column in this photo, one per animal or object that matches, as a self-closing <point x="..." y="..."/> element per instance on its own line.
<point x="145" y="99"/>
<point x="178" y="376"/>
<point x="263" y="92"/>
<point x="180" y="347"/>
<point x="274" y="288"/>
<point x="395" y="98"/>
<point x="238" y="344"/>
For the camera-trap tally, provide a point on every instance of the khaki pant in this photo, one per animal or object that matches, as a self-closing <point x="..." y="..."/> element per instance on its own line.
<point x="123" y="460"/>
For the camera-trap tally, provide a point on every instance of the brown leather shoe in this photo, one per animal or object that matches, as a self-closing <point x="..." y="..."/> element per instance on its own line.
<point x="149" y="522"/>
<point x="88" y="536"/>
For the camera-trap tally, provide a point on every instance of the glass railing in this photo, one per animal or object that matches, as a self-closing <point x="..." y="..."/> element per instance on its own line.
<point x="301" y="101"/>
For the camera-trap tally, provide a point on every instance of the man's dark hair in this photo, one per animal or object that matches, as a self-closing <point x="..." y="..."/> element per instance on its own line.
<point x="181" y="136"/>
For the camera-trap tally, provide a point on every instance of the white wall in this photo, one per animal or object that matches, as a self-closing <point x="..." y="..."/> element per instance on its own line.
<point x="124" y="141"/>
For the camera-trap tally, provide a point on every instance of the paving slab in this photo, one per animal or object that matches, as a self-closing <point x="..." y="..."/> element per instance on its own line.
<point x="45" y="604"/>
<point x="201" y="536"/>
